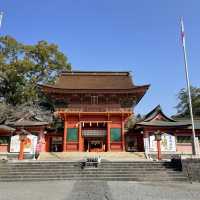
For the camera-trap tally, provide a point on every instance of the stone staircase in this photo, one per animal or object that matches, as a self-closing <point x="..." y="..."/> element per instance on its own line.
<point x="106" y="171"/>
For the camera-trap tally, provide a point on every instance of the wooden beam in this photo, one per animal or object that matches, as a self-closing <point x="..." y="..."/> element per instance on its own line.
<point x="98" y="121"/>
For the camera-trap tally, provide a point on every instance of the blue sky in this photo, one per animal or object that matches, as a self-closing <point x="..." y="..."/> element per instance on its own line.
<point x="141" y="36"/>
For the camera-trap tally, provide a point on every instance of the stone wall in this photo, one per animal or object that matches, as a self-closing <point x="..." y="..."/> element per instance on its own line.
<point x="191" y="168"/>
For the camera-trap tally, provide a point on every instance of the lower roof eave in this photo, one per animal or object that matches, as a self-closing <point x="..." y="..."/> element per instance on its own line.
<point x="93" y="113"/>
<point x="162" y="126"/>
<point x="50" y="89"/>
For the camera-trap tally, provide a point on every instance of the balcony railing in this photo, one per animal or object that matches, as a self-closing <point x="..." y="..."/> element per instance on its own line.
<point x="95" y="108"/>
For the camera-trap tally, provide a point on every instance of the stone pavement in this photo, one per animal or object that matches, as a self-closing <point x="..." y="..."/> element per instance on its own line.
<point x="98" y="190"/>
<point x="76" y="156"/>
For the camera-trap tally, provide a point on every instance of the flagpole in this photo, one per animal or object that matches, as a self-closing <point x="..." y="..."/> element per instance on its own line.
<point x="194" y="152"/>
<point x="1" y="17"/>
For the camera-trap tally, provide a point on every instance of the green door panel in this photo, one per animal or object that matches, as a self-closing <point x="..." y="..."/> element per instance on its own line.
<point x="115" y="134"/>
<point x="72" y="134"/>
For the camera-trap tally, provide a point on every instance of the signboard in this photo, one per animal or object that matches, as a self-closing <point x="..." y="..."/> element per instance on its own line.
<point x="167" y="143"/>
<point x="15" y="144"/>
<point x="146" y="145"/>
<point x="29" y="146"/>
<point x="93" y="133"/>
<point x="197" y="145"/>
<point x="57" y="140"/>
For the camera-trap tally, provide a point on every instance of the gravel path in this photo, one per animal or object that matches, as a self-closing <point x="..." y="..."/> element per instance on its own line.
<point x="90" y="190"/>
<point x="98" y="190"/>
<point x="154" y="191"/>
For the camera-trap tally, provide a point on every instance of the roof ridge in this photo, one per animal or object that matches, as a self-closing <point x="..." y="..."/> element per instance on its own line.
<point x="152" y="114"/>
<point x="96" y="73"/>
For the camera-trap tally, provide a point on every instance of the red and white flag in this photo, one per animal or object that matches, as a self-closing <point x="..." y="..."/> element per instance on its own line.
<point x="182" y="33"/>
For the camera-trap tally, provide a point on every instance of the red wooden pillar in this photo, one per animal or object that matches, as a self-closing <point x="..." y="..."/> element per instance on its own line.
<point x="21" y="151"/>
<point x="65" y="137"/>
<point x="146" y="134"/>
<point x="80" y="139"/>
<point x="123" y="137"/>
<point x="159" y="149"/>
<point x="158" y="138"/>
<point x="48" y="144"/>
<point x="42" y="140"/>
<point x="108" y="136"/>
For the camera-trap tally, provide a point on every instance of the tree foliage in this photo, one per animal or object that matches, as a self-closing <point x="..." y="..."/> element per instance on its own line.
<point x="23" y="67"/>
<point x="183" y="105"/>
<point x="132" y="120"/>
<point x="33" y="112"/>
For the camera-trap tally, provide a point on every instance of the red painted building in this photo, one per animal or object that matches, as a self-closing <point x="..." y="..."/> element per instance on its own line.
<point x="5" y="132"/>
<point x="176" y="133"/>
<point x="94" y="107"/>
<point x="33" y="127"/>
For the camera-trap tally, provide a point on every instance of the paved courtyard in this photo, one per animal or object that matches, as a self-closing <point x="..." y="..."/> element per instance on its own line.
<point x="98" y="190"/>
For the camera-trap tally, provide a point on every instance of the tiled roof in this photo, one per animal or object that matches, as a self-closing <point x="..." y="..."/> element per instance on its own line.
<point x="94" y="80"/>
<point x="4" y="128"/>
<point x="151" y="120"/>
<point x="24" y="122"/>
<point x="163" y="123"/>
<point x="152" y="114"/>
<point x="196" y="123"/>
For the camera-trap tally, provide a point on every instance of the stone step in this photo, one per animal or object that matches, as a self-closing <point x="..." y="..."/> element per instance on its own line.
<point x="95" y="170"/>
<point x="139" y="171"/>
<point x="164" y="179"/>
<point x="91" y="175"/>
<point x="91" y="172"/>
<point x="72" y="162"/>
<point x="104" y="165"/>
<point x="65" y="161"/>
<point x="76" y="163"/>
<point x="101" y="165"/>
<point x="77" y="166"/>
<point x="87" y="167"/>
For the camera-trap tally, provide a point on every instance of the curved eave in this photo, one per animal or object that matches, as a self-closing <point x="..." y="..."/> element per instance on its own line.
<point x="145" y="88"/>
<point x="6" y="129"/>
<point x="163" y="125"/>
<point x="30" y="124"/>
<point x="136" y="89"/>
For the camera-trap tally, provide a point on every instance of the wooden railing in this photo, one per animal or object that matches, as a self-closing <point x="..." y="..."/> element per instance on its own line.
<point x="95" y="108"/>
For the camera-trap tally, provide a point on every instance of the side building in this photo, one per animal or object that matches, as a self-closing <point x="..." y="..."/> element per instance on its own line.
<point x="175" y="134"/>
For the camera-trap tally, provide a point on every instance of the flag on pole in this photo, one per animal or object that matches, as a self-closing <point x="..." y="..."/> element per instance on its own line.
<point x="182" y="33"/>
<point x="194" y="150"/>
<point x="1" y="17"/>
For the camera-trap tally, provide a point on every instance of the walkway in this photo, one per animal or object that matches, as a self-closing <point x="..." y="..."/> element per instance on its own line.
<point x="110" y="156"/>
<point x="98" y="190"/>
